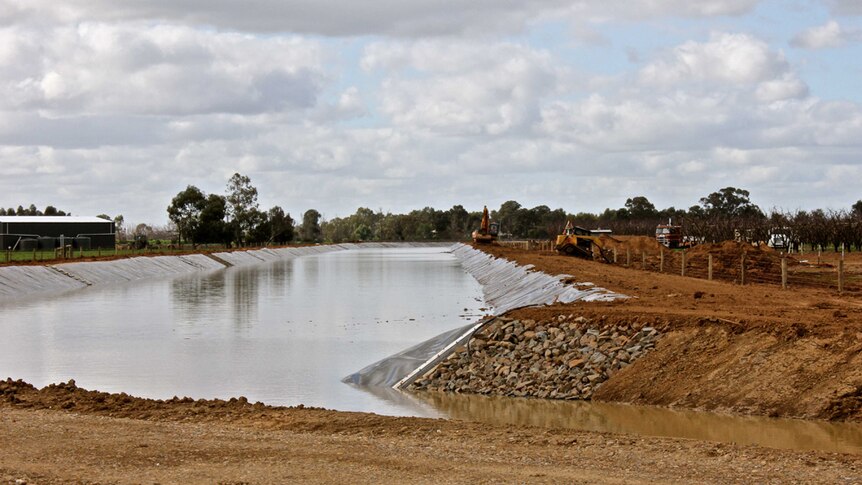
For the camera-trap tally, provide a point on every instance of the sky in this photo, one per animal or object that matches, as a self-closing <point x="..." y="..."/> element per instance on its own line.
<point x="114" y="106"/>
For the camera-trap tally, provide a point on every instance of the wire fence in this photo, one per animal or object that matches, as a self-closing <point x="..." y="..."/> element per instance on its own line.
<point x="741" y="264"/>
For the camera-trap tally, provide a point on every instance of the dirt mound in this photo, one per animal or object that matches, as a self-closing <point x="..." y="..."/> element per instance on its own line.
<point x="727" y="259"/>
<point x="635" y="244"/>
<point x="68" y="396"/>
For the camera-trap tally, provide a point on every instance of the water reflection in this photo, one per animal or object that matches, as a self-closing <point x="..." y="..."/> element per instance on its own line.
<point x="193" y="298"/>
<point x="650" y="421"/>
<point x="283" y="333"/>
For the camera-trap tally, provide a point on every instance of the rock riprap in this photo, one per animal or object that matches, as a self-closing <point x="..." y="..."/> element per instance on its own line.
<point x="565" y="358"/>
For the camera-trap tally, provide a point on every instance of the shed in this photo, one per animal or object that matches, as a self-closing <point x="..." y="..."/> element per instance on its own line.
<point x="49" y="232"/>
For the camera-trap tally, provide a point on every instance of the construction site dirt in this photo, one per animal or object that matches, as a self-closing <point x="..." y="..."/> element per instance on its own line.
<point x="753" y="349"/>
<point x="63" y="434"/>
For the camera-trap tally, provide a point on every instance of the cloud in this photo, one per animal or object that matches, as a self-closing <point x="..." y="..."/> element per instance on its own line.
<point x="831" y="34"/>
<point x="845" y="7"/>
<point x="155" y="70"/>
<point x="396" y="18"/>
<point x="727" y="58"/>
<point x="453" y="87"/>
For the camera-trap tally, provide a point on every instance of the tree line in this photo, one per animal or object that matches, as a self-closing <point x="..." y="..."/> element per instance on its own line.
<point x="33" y="211"/>
<point x="235" y="218"/>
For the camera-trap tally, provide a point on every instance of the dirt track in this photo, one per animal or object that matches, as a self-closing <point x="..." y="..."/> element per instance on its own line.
<point x="101" y="438"/>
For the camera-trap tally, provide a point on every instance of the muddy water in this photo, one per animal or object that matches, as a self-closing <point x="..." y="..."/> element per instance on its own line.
<point x="649" y="421"/>
<point x="282" y="333"/>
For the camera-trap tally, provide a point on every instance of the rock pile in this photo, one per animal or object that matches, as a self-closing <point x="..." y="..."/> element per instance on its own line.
<point x="566" y="358"/>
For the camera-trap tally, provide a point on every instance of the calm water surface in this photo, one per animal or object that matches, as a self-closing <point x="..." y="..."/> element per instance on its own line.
<point x="282" y="333"/>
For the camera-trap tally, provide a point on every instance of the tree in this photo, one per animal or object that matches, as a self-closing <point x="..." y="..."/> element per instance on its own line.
<point x="281" y="226"/>
<point x="242" y="205"/>
<point x="507" y="216"/>
<point x="857" y="208"/>
<point x="185" y="210"/>
<point x="119" y="222"/>
<point x="310" y="229"/>
<point x="362" y="233"/>
<point x="640" y="208"/>
<point x="104" y="216"/>
<point x="51" y="211"/>
<point x="730" y="202"/>
<point x="211" y="226"/>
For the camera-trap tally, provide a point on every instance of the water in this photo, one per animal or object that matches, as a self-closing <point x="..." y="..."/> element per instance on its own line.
<point x="793" y="434"/>
<point x="283" y="333"/>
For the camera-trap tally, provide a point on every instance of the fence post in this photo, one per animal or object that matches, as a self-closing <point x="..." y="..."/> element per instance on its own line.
<point x="615" y="255"/>
<point x="784" y="272"/>
<point x="819" y="258"/>
<point x="742" y="271"/>
<point x="628" y="257"/>
<point x="683" y="262"/>
<point x="643" y="260"/>
<point x="840" y="276"/>
<point x="661" y="261"/>
<point x="709" y="267"/>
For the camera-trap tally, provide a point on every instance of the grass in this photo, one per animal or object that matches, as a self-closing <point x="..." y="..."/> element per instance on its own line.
<point x="34" y="256"/>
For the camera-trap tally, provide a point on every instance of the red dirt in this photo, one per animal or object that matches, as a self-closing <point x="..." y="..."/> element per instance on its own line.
<point x="64" y="434"/>
<point x="753" y="349"/>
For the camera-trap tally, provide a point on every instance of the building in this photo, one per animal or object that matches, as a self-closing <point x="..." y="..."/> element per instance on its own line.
<point x="49" y="232"/>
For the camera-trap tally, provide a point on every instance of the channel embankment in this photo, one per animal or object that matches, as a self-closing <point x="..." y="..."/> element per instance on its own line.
<point x="565" y="358"/>
<point x="720" y="346"/>
<point x="35" y="280"/>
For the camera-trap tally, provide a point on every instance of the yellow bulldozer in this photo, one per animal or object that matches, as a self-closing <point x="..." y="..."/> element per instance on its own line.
<point x="580" y="242"/>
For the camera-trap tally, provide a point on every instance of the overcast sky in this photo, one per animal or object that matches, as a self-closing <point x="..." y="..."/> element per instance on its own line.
<point x="114" y="106"/>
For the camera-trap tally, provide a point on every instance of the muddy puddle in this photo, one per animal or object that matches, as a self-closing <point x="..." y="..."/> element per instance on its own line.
<point x="648" y="421"/>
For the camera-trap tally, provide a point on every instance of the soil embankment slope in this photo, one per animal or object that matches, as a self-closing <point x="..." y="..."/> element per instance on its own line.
<point x="753" y="349"/>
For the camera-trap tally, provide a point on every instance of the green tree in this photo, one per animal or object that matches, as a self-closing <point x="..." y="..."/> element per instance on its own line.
<point x="507" y="216"/>
<point x="310" y="229"/>
<point x="730" y="202"/>
<point x="281" y="226"/>
<point x="242" y="205"/>
<point x="119" y="222"/>
<point x="362" y="233"/>
<point x="185" y="210"/>
<point x="640" y="208"/>
<point x="211" y="226"/>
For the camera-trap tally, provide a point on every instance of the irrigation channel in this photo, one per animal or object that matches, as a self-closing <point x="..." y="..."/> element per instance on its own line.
<point x="286" y="330"/>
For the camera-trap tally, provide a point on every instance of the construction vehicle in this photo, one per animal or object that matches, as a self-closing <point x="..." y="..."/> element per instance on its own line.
<point x="669" y="235"/>
<point x="580" y="242"/>
<point x="487" y="232"/>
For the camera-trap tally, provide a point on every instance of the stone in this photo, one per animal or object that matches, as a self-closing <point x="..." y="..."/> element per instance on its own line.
<point x="598" y="358"/>
<point x="575" y="362"/>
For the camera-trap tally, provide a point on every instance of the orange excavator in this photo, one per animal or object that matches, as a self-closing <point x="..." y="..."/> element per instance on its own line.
<point x="487" y="232"/>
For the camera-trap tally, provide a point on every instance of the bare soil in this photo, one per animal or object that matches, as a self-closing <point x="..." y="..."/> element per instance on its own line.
<point x="63" y="434"/>
<point x="754" y="349"/>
